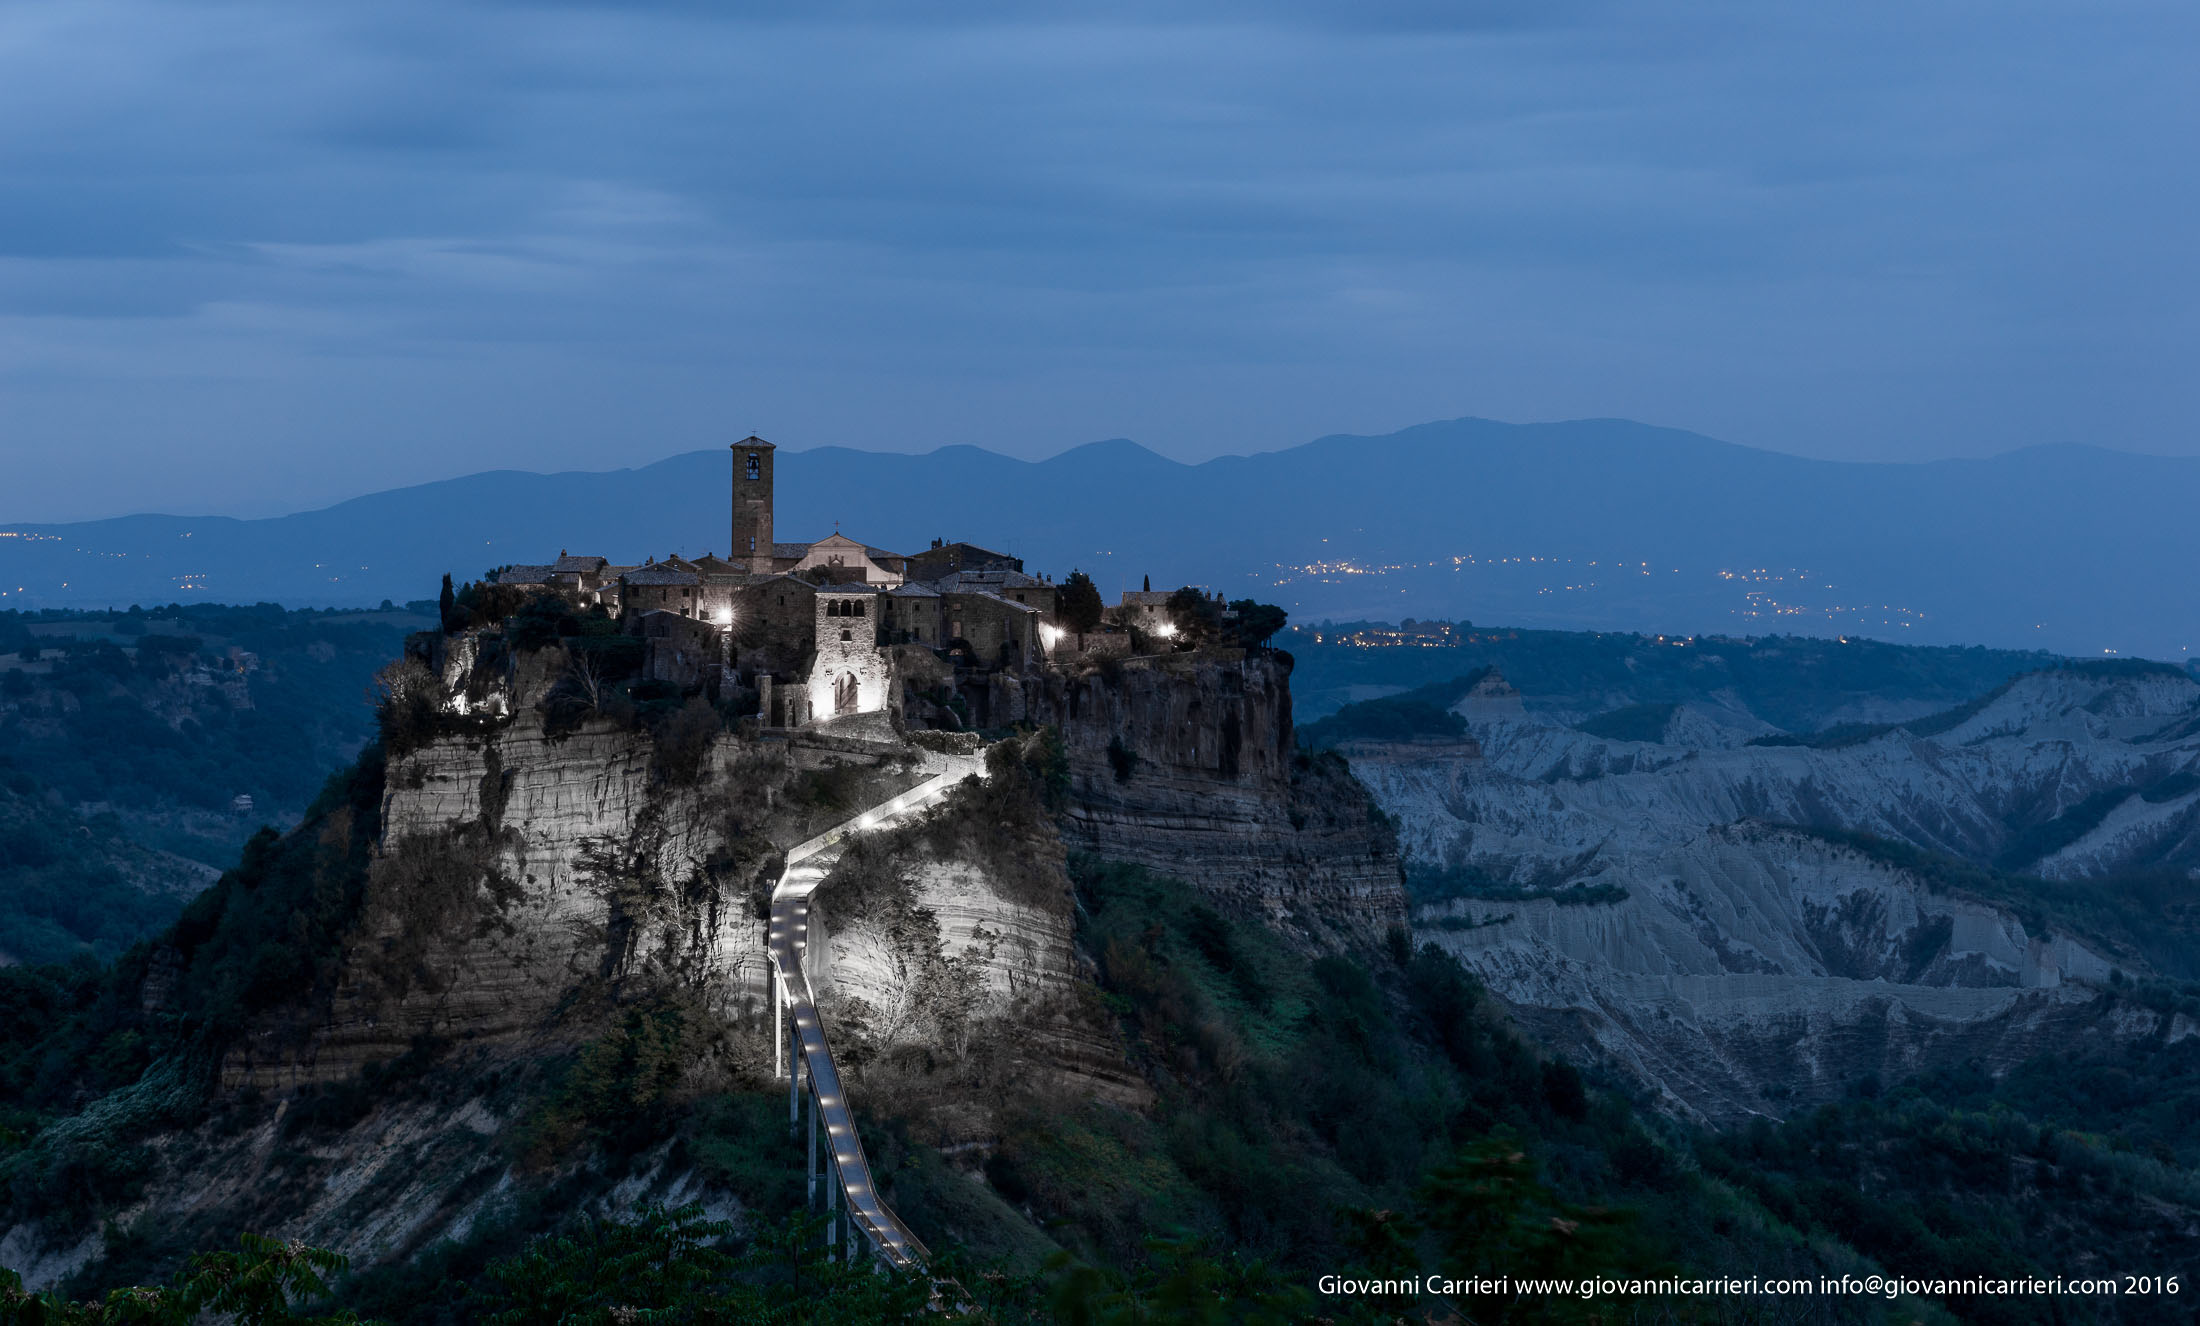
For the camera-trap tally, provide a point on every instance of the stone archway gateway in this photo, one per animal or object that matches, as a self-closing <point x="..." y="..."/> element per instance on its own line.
<point x="846" y="693"/>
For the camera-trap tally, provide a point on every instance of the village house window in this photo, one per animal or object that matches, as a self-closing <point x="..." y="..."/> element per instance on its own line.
<point x="847" y="635"/>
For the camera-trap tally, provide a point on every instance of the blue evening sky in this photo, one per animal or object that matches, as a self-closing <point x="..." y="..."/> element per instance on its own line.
<point x="260" y="256"/>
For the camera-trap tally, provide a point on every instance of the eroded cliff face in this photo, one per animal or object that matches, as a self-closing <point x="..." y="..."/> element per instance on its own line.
<point x="535" y="890"/>
<point x="1970" y="784"/>
<point x="530" y="878"/>
<point x="538" y="885"/>
<point x="1758" y="969"/>
<point x="950" y="944"/>
<point x="1185" y="764"/>
<point x="527" y="869"/>
<point x="1643" y="901"/>
<point x="516" y="869"/>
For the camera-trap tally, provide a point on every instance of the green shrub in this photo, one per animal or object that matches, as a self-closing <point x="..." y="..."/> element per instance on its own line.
<point x="1425" y="712"/>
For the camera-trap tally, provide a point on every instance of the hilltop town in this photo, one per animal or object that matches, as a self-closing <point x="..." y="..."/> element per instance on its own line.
<point x="810" y="630"/>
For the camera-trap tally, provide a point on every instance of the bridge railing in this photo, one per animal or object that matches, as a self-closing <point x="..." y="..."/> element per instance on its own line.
<point x="888" y="1236"/>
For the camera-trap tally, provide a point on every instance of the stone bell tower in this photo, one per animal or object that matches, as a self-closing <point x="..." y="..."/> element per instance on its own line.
<point x="752" y="504"/>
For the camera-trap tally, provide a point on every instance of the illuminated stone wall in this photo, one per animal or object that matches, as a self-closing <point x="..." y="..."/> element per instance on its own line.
<point x="773" y="623"/>
<point x="851" y="674"/>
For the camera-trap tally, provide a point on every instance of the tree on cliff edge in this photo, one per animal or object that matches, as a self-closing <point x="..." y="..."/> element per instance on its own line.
<point x="1204" y="620"/>
<point x="1078" y="603"/>
<point x="1254" y="622"/>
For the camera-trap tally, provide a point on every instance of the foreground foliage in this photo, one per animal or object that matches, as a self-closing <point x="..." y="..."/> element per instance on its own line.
<point x="256" y="1285"/>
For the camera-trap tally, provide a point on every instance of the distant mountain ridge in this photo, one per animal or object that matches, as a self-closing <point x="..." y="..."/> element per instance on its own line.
<point x="1604" y="524"/>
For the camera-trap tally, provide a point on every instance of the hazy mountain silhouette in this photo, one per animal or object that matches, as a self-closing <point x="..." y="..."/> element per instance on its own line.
<point x="2067" y="547"/>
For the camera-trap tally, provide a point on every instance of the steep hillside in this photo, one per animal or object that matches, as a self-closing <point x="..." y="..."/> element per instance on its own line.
<point x="74" y="886"/>
<point x="513" y="964"/>
<point x="157" y="743"/>
<point x="1187" y="764"/>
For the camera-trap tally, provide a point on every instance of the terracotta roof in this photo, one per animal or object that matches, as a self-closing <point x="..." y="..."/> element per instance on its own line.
<point x="524" y="575"/>
<point x="1146" y="598"/>
<point x="913" y="591"/>
<point x="662" y="575"/>
<point x="1010" y="604"/>
<point x="790" y="550"/>
<point x="991" y="581"/>
<point x="858" y="588"/>
<point x="567" y="565"/>
<point x="966" y="548"/>
<point x="752" y="581"/>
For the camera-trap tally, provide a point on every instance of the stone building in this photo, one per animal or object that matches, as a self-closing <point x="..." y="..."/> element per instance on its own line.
<point x="810" y="628"/>
<point x="999" y="632"/>
<point x="584" y="578"/>
<point x="851" y="673"/>
<point x="1010" y="584"/>
<point x="913" y="615"/>
<point x="842" y="560"/>
<point x="945" y="559"/>
<point x="1145" y="610"/>
<point x="677" y="649"/>
<point x="666" y="588"/>
<point x="534" y="576"/>
<point x="772" y="618"/>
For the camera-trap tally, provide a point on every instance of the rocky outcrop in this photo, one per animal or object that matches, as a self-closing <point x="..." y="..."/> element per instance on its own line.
<point x="515" y="869"/>
<point x="528" y="874"/>
<point x="1185" y="763"/>
<point x="960" y="929"/>
<point x="524" y="872"/>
